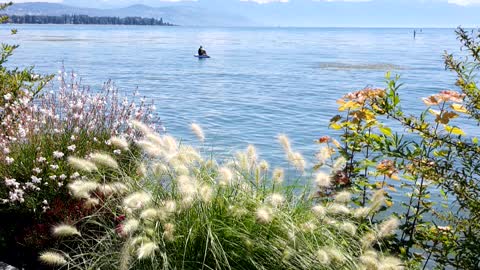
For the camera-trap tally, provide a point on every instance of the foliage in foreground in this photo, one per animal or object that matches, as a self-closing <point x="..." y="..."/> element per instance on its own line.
<point x="37" y="135"/>
<point x="16" y="83"/>
<point x="182" y="211"/>
<point x="436" y="165"/>
<point x="38" y="130"/>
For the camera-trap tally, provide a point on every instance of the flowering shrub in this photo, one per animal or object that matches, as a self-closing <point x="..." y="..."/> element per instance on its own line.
<point x="435" y="169"/>
<point x="38" y="131"/>
<point x="184" y="211"/>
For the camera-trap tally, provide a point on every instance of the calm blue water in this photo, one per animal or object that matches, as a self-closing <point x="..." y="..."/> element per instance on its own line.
<point x="259" y="81"/>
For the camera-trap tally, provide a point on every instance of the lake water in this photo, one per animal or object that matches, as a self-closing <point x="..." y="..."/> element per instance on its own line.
<point x="259" y="81"/>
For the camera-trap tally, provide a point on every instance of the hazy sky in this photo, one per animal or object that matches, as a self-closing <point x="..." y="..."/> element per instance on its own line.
<point x="369" y="13"/>
<point x="154" y="2"/>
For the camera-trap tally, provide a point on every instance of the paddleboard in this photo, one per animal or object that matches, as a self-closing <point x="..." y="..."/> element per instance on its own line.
<point x="201" y="56"/>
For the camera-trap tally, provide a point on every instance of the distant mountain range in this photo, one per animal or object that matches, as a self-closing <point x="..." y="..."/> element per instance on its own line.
<point x="179" y="15"/>
<point x="323" y="13"/>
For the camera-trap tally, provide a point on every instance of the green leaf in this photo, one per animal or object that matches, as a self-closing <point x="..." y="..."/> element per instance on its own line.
<point x="386" y="131"/>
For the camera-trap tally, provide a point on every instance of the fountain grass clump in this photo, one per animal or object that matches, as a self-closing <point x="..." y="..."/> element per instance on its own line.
<point x="184" y="211"/>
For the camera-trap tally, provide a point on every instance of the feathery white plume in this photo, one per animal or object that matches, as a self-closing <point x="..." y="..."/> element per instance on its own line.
<point x="104" y="160"/>
<point x="82" y="164"/>
<point x="52" y="258"/>
<point x="197" y="130"/>
<point x="64" y="230"/>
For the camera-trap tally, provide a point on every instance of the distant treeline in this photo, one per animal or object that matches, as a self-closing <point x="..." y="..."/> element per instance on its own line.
<point x="83" y="19"/>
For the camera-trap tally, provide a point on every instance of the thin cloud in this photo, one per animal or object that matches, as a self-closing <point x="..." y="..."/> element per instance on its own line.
<point x="265" y="1"/>
<point x="43" y="1"/>
<point x="464" y="2"/>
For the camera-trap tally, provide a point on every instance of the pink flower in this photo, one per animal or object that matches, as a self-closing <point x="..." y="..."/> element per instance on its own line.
<point x="72" y="147"/>
<point x="11" y="182"/>
<point x="9" y="160"/>
<point x="35" y="179"/>
<point x="57" y="154"/>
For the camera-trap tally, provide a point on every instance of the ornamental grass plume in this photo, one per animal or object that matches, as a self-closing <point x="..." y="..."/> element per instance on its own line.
<point x="388" y="227"/>
<point x="140" y="126"/>
<point x="82" y="164"/>
<point x="252" y="155"/>
<point x="278" y="175"/>
<point x="206" y="193"/>
<point x="64" y="230"/>
<point x="264" y="215"/>
<point x="323" y="257"/>
<point x="285" y="143"/>
<point x="52" y="258"/>
<point x="263" y="165"/>
<point x="338" y="209"/>
<point x="336" y="255"/>
<point x="297" y="160"/>
<point x="309" y="226"/>
<point x="156" y="139"/>
<point x="81" y="189"/>
<point x="188" y="155"/>
<point x="104" y="160"/>
<point x="170" y="144"/>
<point x="147" y="250"/>
<point x="91" y="203"/>
<point x="149" y="214"/>
<point x="391" y="263"/>
<point x="348" y="227"/>
<point x="319" y="211"/>
<point x="130" y="226"/>
<point x="119" y="142"/>
<point x="198" y="131"/>
<point x="370" y="262"/>
<point x="339" y="164"/>
<point x="168" y="231"/>
<point x="225" y="176"/>
<point x="343" y="197"/>
<point x="186" y="186"/>
<point x="368" y="240"/>
<point x="361" y="212"/>
<point x="170" y="206"/>
<point x="276" y="199"/>
<point x="324" y="154"/>
<point x="323" y="180"/>
<point x="150" y="148"/>
<point x="377" y="200"/>
<point x="137" y="200"/>
<point x="119" y="188"/>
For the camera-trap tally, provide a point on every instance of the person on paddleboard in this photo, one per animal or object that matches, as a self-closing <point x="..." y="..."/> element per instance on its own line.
<point x="201" y="51"/>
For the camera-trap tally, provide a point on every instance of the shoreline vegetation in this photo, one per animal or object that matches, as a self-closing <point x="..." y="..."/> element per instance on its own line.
<point x="90" y="180"/>
<point x="83" y="19"/>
